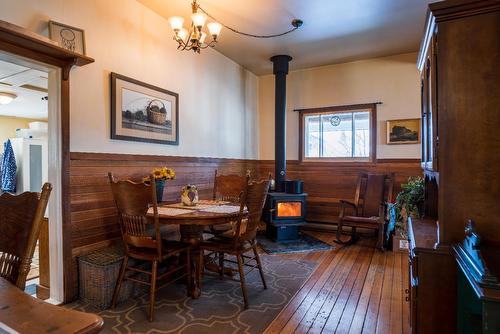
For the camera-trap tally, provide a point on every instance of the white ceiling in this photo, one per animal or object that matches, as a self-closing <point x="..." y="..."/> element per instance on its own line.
<point x="334" y="31"/>
<point x="29" y="85"/>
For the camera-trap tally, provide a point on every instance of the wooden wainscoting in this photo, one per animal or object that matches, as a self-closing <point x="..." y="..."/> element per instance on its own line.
<point x="93" y="214"/>
<point x="327" y="183"/>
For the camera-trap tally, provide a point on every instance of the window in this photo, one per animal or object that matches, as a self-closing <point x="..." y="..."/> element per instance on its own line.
<point x="346" y="133"/>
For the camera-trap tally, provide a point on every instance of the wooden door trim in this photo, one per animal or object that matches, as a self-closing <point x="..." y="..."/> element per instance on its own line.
<point x="27" y="44"/>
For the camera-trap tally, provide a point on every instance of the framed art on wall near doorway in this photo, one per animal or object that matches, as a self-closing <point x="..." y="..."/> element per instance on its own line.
<point x="143" y="112"/>
<point x="68" y="37"/>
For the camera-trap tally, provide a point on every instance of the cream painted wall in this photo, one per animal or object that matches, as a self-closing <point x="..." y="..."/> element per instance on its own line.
<point x="392" y="80"/>
<point x="218" y="98"/>
<point x="8" y="126"/>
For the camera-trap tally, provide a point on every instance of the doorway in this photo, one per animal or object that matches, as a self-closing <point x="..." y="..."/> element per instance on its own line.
<point x="31" y="124"/>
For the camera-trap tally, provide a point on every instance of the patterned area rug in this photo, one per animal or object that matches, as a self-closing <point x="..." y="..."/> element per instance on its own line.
<point x="219" y="309"/>
<point x="305" y="243"/>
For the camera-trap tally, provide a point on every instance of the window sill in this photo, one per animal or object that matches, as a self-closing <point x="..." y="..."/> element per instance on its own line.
<point x="338" y="162"/>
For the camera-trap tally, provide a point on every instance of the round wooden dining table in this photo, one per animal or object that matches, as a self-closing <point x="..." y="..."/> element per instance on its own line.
<point x="192" y="223"/>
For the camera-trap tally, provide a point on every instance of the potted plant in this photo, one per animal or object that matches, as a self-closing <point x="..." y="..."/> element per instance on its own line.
<point x="409" y="203"/>
<point x="161" y="175"/>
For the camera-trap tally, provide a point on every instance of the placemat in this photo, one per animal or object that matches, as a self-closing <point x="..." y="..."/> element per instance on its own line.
<point x="222" y="209"/>
<point x="162" y="210"/>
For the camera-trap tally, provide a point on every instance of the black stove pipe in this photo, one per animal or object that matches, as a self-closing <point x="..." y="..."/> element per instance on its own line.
<point x="280" y="70"/>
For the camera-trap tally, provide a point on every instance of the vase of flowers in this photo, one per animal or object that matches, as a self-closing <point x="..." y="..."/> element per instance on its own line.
<point x="161" y="175"/>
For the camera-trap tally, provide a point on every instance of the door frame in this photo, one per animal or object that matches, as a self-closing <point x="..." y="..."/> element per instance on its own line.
<point x="21" y="42"/>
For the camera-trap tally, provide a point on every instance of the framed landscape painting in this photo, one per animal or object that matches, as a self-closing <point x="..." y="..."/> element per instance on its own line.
<point x="142" y="112"/>
<point x="403" y="131"/>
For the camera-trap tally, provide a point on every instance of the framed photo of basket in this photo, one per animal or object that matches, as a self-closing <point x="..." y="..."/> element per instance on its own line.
<point x="143" y="112"/>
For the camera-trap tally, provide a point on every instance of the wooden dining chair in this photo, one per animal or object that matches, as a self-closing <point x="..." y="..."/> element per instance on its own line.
<point x="244" y="237"/>
<point x="21" y="217"/>
<point x="227" y="188"/>
<point x="373" y="192"/>
<point x="143" y="243"/>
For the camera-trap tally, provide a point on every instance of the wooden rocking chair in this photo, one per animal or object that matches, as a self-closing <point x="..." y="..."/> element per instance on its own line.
<point x="373" y="192"/>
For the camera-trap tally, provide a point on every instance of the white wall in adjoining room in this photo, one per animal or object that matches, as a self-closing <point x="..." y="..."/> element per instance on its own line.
<point x="392" y="80"/>
<point x="218" y="112"/>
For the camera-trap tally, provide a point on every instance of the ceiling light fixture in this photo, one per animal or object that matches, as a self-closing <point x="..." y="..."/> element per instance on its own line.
<point x="194" y="39"/>
<point x="6" y="98"/>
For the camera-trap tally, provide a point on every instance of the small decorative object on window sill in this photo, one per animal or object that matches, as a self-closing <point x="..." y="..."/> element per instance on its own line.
<point x="189" y="195"/>
<point x="161" y="175"/>
<point x="194" y="39"/>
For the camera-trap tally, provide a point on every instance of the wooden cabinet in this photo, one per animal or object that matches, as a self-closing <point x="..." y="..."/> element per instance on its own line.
<point x="460" y="82"/>
<point x="432" y="271"/>
<point x="458" y="62"/>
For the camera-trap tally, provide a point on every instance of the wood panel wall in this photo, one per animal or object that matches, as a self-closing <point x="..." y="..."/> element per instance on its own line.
<point x="327" y="183"/>
<point x="93" y="215"/>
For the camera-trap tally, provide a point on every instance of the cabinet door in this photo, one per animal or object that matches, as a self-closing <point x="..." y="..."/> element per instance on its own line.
<point x="413" y="286"/>
<point x="429" y="110"/>
<point x="433" y="119"/>
<point x="423" y="117"/>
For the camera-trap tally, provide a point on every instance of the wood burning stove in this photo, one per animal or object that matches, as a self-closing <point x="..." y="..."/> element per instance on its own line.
<point x="284" y="213"/>
<point x="285" y="209"/>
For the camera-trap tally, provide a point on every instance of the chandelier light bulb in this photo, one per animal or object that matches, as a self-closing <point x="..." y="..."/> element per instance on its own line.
<point x="182" y="34"/>
<point x="214" y="28"/>
<point x="176" y="22"/>
<point x="6" y="98"/>
<point x="198" y="19"/>
<point x="202" y="37"/>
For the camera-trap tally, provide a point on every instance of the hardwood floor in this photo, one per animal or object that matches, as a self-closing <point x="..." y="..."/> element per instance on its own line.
<point x="354" y="289"/>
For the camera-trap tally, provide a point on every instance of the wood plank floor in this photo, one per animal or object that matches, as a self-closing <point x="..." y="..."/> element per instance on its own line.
<point x="354" y="289"/>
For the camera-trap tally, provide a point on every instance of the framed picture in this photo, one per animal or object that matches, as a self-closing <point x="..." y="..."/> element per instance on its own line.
<point x="403" y="131"/>
<point x="143" y="112"/>
<point x="70" y="38"/>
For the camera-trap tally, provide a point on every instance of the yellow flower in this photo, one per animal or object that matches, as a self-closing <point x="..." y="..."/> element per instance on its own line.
<point x="163" y="173"/>
<point x="169" y="174"/>
<point x="158" y="173"/>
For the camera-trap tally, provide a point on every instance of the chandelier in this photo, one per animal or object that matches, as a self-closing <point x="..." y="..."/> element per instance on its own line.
<point x="195" y="38"/>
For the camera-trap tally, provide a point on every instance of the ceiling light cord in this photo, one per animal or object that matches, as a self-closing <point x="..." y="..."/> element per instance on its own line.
<point x="296" y="23"/>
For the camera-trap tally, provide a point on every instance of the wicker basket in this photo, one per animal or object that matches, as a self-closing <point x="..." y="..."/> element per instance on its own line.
<point x="154" y="114"/>
<point x="98" y="272"/>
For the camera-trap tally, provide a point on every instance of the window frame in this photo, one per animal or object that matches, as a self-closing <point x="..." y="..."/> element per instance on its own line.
<point x="370" y="107"/>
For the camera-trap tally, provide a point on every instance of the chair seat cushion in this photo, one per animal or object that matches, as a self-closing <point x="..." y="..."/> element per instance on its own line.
<point x="218" y="229"/>
<point x="224" y="244"/>
<point x="363" y="220"/>
<point x="229" y="230"/>
<point x="169" y="248"/>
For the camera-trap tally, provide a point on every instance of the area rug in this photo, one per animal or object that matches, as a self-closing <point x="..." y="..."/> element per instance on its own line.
<point x="305" y="243"/>
<point x="220" y="307"/>
<point x="30" y="289"/>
